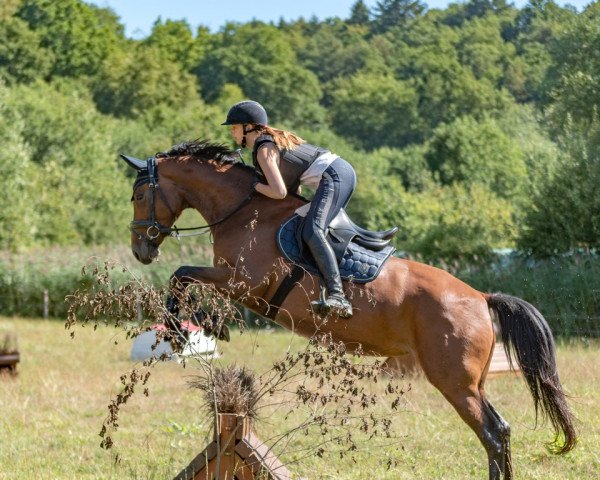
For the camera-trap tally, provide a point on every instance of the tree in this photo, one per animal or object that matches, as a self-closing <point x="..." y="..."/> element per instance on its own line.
<point x="8" y="8"/>
<point x="428" y="55"/>
<point x="22" y="59"/>
<point x="175" y="42"/>
<point x="359" y="14"/>
<point x="457" y="221"/>
<point x="541" y="155"/>
<point x="260" y="60"/>
<point x="481" y="8"/>
<point x="80" y="36"/>
<point x="483" y="50"/>
<point x="535" y="30"/>
<point x="145" y="78"/>
<point x="338" y="51"/>
<point x="448" y="90"/>
<point x="409" y="166"/>
<point x="17" y="210"/>
<point x="573" y="86"/>
<point x="460" y="221"/>
<point x="375" y="110"/>
<point x="80" y="193"/>
<point x="390" y="14"/>
<point x="565" y="213"/>
<point x="477" y="152"/>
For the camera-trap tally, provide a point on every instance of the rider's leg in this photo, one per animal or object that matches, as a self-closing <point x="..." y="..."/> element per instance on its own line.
<point x="315" y="239"/>
<point x="333" y="193"/>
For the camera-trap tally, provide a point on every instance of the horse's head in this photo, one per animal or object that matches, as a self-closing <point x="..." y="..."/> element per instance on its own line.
<point x="156" y="206"/>
<point x="190" y="174"/>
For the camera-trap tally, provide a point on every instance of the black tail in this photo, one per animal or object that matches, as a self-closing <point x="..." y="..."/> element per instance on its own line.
<point x="526" y="334"/>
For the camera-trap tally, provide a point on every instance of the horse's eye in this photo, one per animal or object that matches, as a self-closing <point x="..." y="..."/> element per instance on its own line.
<point x="139" y="196"/>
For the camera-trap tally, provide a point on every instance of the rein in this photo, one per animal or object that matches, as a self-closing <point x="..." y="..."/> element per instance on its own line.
<point x="154" y="228"/>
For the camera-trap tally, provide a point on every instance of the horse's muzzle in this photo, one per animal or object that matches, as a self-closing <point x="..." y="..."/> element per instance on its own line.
<point x="144" y="251"/>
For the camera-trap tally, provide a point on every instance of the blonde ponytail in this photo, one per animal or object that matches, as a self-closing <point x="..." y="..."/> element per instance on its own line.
<point x="283" y="139"/>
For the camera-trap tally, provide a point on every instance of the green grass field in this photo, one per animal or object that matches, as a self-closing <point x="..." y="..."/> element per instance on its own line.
<point x="51" y="413"/>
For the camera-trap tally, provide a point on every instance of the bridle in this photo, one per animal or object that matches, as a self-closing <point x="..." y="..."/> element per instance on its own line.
<point x="153" y="227"/>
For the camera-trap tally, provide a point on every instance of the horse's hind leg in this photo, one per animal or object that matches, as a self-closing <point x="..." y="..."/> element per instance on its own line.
<point x="455" y="352"/>
<point x="458" y="372"/>
<point x="492" y="431"/>
<point x="505" y="431"/>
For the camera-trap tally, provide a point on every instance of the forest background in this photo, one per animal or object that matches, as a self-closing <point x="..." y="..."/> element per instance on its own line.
<point x="473" y="128"/>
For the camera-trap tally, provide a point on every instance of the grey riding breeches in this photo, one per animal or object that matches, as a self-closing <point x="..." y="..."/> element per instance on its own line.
<point x="333" y="193"/>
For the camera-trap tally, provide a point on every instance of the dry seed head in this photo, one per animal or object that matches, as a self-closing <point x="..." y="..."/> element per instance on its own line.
<point x="228" y="390"/>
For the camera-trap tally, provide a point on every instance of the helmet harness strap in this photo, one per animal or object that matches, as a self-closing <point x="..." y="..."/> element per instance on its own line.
<point x="244" y="131"/>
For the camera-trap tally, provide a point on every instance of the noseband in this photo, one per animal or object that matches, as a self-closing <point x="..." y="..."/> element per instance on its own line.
<point x="153" y="227"/>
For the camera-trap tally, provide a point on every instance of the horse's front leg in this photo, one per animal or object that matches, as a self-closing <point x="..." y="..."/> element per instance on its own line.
<point x="215" y="277"/>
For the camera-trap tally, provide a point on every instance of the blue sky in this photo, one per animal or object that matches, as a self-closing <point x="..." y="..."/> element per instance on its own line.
<point x="139" y="15"/>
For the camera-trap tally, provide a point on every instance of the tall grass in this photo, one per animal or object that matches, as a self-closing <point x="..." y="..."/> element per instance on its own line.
<point x="52" y="412"/>
<point x="565" y="289"/>
<point x="25" y="276"/>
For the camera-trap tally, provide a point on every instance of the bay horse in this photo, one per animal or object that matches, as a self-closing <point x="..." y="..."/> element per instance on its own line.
<point x="409" y="307"/>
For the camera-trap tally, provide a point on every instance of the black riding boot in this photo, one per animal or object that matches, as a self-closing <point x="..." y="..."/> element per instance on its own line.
<point x="335" y="299"/>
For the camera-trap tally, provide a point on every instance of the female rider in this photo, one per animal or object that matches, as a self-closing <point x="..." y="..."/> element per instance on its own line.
<point x="284" y="161"/>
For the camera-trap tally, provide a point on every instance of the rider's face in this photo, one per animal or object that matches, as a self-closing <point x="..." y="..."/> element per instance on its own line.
<point x="237" y="133"/>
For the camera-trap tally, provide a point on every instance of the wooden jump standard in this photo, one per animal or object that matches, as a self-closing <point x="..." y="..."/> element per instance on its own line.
<point x="240" y="455"/>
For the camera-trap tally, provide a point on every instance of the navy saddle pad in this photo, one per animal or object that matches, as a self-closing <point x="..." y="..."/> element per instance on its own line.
<point x="356" y="262"/>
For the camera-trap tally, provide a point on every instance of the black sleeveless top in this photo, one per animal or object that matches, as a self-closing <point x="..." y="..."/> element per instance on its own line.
<point x="292" y="164"/>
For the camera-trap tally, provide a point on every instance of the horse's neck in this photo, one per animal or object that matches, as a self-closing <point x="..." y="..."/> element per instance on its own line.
<point x="213" y="192"/>
<point x="216" y="193"/>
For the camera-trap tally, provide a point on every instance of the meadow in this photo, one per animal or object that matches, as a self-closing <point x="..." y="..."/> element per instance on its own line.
<point x="53" y="410"/>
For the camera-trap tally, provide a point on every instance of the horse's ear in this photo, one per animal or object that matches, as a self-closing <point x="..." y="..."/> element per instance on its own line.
<point x="134" y="162"/>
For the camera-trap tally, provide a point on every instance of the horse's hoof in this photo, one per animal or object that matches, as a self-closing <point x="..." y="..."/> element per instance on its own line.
<point x="224" y="334"/>
<point x="210" y="326"/>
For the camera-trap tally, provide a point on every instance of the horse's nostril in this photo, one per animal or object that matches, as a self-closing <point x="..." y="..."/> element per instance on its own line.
<point x="137" y="257"/>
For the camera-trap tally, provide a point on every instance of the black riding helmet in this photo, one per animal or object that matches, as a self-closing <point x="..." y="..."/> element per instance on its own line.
<point x="246" y="112"/>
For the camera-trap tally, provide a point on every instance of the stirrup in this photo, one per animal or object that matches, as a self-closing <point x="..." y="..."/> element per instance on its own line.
<point x="339" y="304"/>
<point x="336" y="303"/>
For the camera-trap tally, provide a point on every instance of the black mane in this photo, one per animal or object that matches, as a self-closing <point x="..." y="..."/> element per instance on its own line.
<point x="202" y="149"/>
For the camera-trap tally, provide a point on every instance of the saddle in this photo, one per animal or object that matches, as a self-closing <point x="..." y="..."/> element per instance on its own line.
<point x="360" y="253"/>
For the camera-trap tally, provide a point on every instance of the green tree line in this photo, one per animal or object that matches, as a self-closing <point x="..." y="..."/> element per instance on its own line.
<point x="472" y="128"/>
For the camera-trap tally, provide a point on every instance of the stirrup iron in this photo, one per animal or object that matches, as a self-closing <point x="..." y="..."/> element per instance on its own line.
<point x="338" y="305"/>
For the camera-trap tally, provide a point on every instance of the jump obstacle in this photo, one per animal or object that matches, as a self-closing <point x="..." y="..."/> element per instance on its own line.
<point x="235" y="453"/>
<point x="146" y="346"/>
<point x="407" y="364"/>
<point x="8" y="363"/>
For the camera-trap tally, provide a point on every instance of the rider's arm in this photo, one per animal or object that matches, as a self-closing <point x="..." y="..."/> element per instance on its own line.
<point x="268" y="159"/>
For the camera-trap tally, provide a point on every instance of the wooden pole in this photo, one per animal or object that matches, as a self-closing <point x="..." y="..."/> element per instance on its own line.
<point x="46" y="304"/>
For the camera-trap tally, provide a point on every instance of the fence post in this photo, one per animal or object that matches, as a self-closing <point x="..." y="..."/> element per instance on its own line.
<point x="138" y="304"/>
<point x="46" y="304"/>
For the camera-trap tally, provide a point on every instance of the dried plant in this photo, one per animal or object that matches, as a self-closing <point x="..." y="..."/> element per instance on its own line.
<point x="228" y="390"/>
<point x="334" y="390"/>
<point x="136" y="307"/>
<point x="321" y="391"/>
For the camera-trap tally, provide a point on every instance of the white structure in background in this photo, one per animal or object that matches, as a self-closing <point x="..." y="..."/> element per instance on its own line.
<point x="198" y="344"/>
